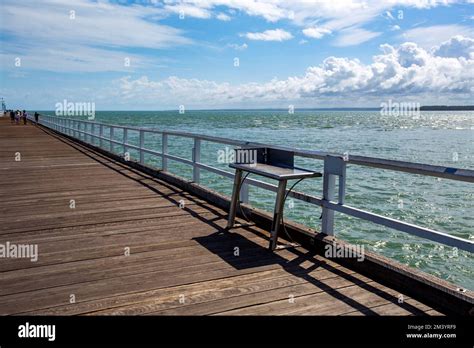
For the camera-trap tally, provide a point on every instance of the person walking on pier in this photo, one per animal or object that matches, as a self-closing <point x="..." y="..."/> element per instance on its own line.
<point x="24" y="116"/>
<point x="36" y="118"/>
<point x="12" y="116"/>
<point x="17" y="117"/>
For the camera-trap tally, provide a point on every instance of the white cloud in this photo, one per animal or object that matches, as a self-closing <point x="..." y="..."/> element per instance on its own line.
<point x="354" y="36"/>
<point x="315" y="32"/>
<point x="95" y="37"/>
<point x="72" y="58"/>
<point x="189" y="11"/>
<point x="398" y="72"/>
<point x="300" y="11"/>
<point x="389" y="15"/>
<point x="457" y="46"/>
<point x="332" y="15"/>
<point x="99" y="24"/>
<point x="115" y="28"/>
<point x="270" y="35"/>
<point x="395" y="27"/>
<point x="238" y="47"/>
<point x="223" y="17"/>
<point x="427" y="37"/>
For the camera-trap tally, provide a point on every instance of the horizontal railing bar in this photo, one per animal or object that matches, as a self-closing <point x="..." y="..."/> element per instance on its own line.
<point x="206" y="138"/>
<point x="415" y="168"/>
<point x="153" y="152"/>
<point x="179" y="159"/>
<point x="423" y="232"/>
<point x="215" y="170"/>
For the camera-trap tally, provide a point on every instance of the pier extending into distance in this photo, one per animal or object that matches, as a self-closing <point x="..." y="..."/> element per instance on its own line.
<point x="116" y="236"/>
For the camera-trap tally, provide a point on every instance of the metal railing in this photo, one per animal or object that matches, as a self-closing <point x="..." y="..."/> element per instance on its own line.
<point x="334" y="167"/>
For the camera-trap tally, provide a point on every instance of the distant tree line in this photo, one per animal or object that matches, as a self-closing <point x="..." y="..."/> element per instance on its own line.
<point x="447" y="107"/>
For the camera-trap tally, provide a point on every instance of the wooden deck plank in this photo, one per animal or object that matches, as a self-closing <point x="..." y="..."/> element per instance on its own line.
<point x="174" y="251"/>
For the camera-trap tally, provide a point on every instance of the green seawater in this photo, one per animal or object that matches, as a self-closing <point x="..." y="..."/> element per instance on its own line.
<point x="438" y="137"/>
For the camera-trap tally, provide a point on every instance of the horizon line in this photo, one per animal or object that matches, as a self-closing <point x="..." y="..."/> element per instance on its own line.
<point x="363" y="108"/>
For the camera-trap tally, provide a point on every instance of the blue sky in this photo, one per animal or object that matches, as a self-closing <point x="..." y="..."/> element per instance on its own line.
<point x="303" y="53"/>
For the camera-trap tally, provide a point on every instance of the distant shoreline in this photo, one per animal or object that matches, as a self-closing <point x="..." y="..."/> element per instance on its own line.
<point x="447" y="108"/>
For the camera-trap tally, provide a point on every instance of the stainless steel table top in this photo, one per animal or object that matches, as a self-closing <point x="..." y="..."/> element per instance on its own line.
<point x="274" y="172"/>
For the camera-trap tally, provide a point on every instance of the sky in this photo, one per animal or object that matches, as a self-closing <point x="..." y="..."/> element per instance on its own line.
<point x="215" y="54"/>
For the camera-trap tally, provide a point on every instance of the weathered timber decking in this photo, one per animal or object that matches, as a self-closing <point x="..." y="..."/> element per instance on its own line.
<point x="181" y="261"/>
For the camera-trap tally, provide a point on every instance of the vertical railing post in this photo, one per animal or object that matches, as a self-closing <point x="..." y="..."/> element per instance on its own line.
<point x="196" y="159"/>
<point x="333" y="166"/>
<point x="111" y="138"/>
<point x="141" y="146"/>
<point x="164" y="151"/>
<point x="327" y="223"/>
<point x="125" y="140"/>
<point x="93" y="138"/>
<point x="101" y="134"/>
<point x="244" y="188"/>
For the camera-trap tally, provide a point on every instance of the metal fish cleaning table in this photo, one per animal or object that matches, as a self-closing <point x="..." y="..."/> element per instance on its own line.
<point x="272" y="164"/>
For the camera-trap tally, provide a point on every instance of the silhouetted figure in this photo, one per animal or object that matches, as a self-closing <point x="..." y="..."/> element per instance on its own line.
<point x="24" y="116"/>
<point x="12" y="116"/>
<point x="36" y="118"/>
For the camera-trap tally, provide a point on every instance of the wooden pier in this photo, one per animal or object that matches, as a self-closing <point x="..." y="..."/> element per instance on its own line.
<point x="114" y="240"/>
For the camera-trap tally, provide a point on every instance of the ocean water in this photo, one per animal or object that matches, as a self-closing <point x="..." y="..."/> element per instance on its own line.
<point x="440" y="138"/>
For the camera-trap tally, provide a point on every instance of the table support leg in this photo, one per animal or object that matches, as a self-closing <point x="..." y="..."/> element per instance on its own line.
<point x="277" y="214"/>
<point x="235" y="198"/>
